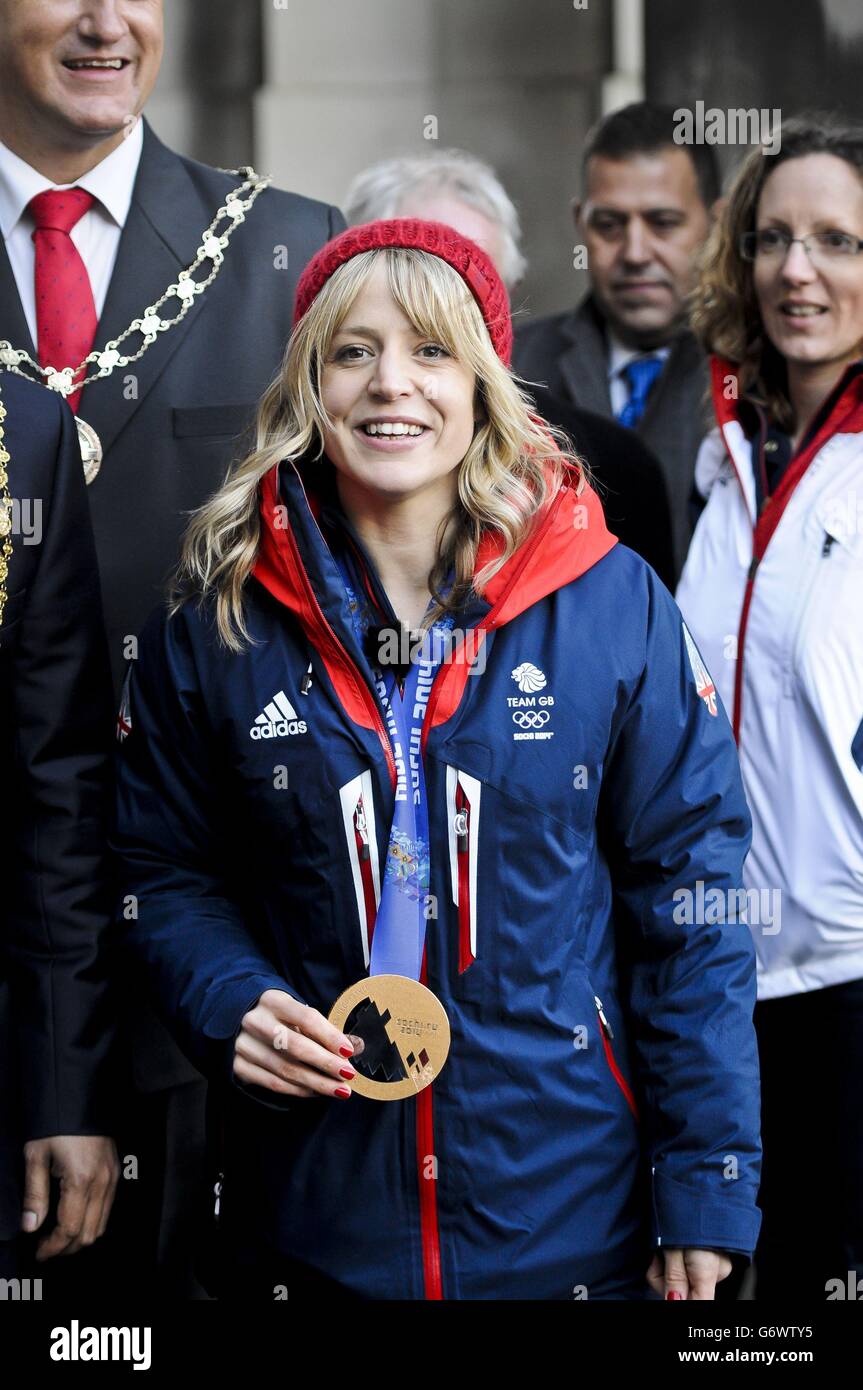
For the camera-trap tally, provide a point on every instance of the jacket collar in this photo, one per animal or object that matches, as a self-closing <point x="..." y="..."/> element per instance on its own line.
<point x="296" y="567"/>
<point x="842" y="411"/>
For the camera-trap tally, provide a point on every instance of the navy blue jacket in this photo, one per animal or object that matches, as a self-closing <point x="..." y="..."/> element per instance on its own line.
<point x="599" y="778"/>
<point x="56" y="719"/>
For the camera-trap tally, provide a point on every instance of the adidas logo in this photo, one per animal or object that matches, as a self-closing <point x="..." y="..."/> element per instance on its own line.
<point x="278" y="719"/>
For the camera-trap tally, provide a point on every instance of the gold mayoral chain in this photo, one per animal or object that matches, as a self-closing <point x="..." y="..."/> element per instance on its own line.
<point x="151" y="323"/>
<point x="5" y="513"/>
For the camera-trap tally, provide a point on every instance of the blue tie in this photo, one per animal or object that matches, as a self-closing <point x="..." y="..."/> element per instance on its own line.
<point x="640" y="375"/>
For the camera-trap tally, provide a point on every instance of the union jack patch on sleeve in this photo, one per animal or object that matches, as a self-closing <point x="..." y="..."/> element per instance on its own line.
<point x="124" y="717"/>
<point x="703" y="681"/>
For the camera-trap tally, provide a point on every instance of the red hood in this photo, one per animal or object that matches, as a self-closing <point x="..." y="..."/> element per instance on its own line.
<point x="569" y="538"/>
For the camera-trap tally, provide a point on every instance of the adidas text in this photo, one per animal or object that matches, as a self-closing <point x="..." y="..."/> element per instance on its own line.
<point x="278" y="719"/>
<point x="280" y="729"/>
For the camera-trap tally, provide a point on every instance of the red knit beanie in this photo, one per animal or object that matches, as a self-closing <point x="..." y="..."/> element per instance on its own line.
<point x="473" y="264"/>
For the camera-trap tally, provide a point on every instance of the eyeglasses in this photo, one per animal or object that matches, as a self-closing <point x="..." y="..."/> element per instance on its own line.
<point x="821" y="247"/>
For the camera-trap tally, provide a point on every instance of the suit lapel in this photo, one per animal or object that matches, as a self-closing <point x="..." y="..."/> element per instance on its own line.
<point x="13" y="323"/>
<point x="161" y="237"/>
<point x="677" y="391"/>
<point x="584" y="364"/>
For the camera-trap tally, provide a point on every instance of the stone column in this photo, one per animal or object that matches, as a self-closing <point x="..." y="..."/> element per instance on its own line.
<point x="203" y="101"/>
<point x="348" y="82"/>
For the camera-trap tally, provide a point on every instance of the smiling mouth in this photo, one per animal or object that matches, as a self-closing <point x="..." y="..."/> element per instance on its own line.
<point x="388" y="430"/>
<point x="95" y="64"/>
<point x="802" y="311"/>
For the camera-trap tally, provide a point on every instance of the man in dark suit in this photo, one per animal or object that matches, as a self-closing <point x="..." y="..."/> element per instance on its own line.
<point x="56" y="721"/>
<point x="627" y="477"/>
<point x="625" y="351"/>
<point x="98" y="219"/>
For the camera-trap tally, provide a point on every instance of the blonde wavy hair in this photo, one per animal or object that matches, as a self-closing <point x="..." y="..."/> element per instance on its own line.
<point x="514" y="465"/>
<point x="724" y="311"/>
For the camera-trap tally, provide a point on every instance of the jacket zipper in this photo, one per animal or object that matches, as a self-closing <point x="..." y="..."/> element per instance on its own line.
<point x="365" y="860"/>
<point x="429" y="1229"/>
<point x="462" y="831"/>
<point x="607" y="1036"/>
<point x="763" y="530"/>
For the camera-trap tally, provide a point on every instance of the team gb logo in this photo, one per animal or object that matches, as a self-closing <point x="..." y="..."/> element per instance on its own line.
<point x="528" y="677"/>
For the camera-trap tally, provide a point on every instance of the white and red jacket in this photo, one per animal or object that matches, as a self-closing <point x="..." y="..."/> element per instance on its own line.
<point x="775" y="603"/>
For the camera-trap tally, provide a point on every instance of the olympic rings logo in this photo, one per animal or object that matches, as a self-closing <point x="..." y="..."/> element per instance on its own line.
<point x="531" y="718"/>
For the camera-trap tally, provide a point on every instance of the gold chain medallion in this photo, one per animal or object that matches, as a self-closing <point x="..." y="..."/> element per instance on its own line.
<point x="91" y="449"/>
<point x="185" y="289"/>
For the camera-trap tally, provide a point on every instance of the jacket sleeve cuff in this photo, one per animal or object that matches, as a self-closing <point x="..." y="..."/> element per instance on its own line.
<point x="237" y="998"/>
<point x="223" y="1029"/>
<point x="688" y="1218"/>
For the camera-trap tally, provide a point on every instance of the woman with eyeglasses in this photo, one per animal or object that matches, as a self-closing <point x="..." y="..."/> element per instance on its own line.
<point x="773" y="593"/>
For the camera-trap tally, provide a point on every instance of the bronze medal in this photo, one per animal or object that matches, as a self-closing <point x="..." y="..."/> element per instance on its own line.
<point x="91" y="449"/>
<point x="405" y="1032"/>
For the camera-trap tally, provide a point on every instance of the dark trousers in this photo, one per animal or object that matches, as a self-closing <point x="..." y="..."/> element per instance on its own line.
<point x="157" y="1221"/>
<point x="811" y="1051"/>
<point x="8" y="1259"/>
<point x="259" y="1275"/>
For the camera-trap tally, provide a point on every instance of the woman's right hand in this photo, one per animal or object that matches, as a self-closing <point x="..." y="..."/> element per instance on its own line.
<point x="289" y="1047"/>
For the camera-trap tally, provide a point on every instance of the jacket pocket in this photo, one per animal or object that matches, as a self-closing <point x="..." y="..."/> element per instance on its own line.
<point x="358" y="824"/>
<point x="607" y="1037"/>
<point x="833" y="558"/>
<point x="857" y="748"/>
<point x="463" y="797"/>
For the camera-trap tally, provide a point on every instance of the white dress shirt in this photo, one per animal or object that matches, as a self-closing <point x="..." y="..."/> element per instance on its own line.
<point x="96" y="235"/>
<point x="619" y="357"/>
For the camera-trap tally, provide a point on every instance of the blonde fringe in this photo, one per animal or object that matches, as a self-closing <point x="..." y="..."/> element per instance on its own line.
<point x="513" y="466"/>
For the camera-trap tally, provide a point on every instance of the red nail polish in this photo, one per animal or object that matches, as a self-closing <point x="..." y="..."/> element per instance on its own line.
<point x="347" y="1073"/>
<point x="346" y="1052"/>
<point x="673" y="1294"/>
<point x="342" y="1092"/>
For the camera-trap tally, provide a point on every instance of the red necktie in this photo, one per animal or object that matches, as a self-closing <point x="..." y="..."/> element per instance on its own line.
<point x="65" y="311"/>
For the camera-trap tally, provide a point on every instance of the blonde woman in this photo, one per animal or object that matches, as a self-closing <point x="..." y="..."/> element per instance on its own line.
<point x="483" y="836"/>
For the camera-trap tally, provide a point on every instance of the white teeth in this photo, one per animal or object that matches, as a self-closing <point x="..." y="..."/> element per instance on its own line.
<point x="388" y="428"/>
<point x="95" y="63"/>
<point x="802" y="311"/>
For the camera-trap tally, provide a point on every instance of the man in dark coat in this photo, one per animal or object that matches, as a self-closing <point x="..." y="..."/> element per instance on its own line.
<point x="627" y="477"/>
<point x="625" y="351"/>
<point x="86" y="184"/>
<point x="56" y="721"/>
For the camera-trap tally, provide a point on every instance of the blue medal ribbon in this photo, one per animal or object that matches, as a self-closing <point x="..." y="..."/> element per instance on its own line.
<point x="399" y="933"/>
